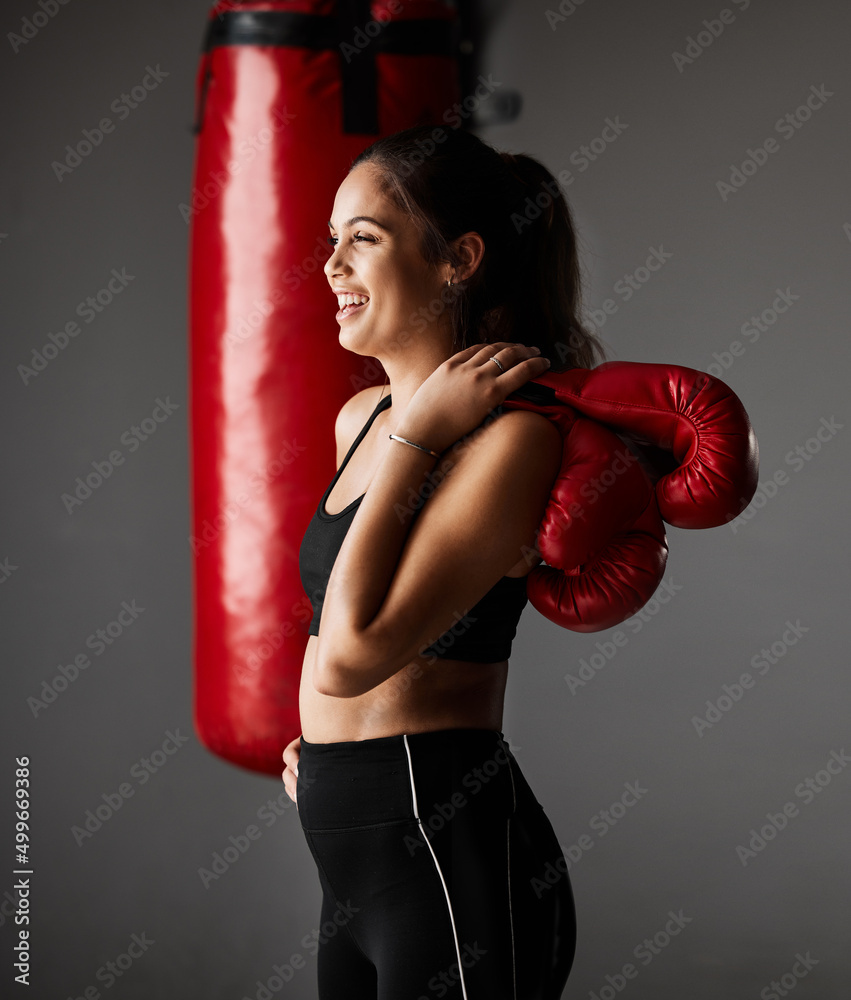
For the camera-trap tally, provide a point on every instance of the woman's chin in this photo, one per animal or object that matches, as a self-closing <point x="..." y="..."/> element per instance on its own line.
<point x="356" y="343"/>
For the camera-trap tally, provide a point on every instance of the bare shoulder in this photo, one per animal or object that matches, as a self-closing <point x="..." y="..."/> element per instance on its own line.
<point x="353" y="414"/>
<point x="500" y="474"/>
<point x="520" y="437"/>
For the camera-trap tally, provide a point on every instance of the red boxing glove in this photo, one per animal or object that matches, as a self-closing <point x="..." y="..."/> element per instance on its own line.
<point x="602" y="537"/>
<point x="686" y="412"/>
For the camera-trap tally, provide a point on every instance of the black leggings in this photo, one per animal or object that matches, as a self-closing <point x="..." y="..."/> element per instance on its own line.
<point x="441" y="874"/>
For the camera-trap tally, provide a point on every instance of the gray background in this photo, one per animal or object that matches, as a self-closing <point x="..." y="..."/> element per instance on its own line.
<point x="788" y="227"/>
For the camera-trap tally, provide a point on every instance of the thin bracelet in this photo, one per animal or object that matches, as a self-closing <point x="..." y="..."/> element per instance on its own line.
<point x="413" y="444"/>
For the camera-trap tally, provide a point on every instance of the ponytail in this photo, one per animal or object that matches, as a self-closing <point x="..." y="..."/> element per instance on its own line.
<point x="548" y="267"/>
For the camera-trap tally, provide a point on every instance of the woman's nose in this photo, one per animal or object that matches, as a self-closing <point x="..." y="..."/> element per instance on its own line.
<point x="334" y="262"/>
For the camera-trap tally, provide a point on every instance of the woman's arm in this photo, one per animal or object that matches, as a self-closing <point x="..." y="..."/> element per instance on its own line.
<point x="399" y="581"/>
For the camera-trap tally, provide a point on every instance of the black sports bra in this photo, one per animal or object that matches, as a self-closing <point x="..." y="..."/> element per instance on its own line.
<point x="483" y="635"/>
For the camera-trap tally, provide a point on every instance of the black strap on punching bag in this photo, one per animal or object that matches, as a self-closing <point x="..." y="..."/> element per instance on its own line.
<point x="340" y="31"/>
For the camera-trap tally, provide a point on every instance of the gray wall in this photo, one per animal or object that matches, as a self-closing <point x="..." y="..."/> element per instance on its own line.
<point x="729" y="591"/>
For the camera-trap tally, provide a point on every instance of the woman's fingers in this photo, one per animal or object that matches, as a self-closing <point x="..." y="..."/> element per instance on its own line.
<point x="504" y="349"/>
<point x="517" y="364"/>
<point x="519" y="374"/>
<point x="290" y="785"/>
<point x="290" y="774"/>
<point x="510" y="354"/>
<point x="291" y="754"/>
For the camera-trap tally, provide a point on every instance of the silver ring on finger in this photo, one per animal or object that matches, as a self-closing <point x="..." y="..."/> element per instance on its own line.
<point x="498" y="363"/>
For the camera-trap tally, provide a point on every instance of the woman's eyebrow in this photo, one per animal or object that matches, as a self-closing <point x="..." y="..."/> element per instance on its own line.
<point x="363" y="218"/>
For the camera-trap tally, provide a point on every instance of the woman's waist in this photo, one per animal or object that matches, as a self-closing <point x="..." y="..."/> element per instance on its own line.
<point x="420" y="697"/>
<point x="351" y="784"/>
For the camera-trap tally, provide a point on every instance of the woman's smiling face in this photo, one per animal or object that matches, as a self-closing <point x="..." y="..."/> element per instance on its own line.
<point x="377" y="255"/>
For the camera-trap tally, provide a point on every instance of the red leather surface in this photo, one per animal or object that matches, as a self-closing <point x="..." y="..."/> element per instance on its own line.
<point x="695" y="416"/>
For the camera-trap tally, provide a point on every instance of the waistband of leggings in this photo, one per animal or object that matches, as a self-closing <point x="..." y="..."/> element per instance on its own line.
<point x="379" y="745"/>
<point x="369" y="782"/>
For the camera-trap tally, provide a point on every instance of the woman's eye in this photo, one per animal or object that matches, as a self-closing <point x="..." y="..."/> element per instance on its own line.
<point x="333" y="239"/>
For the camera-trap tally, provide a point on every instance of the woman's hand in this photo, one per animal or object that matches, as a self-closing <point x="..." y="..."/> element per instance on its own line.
<point x="290" y="773"/>
<point x="458" y="395"/>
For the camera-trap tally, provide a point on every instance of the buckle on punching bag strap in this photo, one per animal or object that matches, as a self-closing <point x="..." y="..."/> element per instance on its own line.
<point x="345" y="31"/>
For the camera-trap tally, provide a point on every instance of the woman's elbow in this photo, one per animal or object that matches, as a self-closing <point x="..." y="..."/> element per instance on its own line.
<point x="341" y="677"/>
<point x="337" y="681"/>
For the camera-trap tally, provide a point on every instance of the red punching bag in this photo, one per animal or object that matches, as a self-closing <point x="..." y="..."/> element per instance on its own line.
<point x="288" y="94"/>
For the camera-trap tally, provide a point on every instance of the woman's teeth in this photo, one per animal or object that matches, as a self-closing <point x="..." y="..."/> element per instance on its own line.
<point x="349" y="304"/>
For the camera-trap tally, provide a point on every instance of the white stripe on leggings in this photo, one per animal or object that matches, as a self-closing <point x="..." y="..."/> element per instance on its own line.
<point x="508" y="854"/>
<point x="436" y="865"/>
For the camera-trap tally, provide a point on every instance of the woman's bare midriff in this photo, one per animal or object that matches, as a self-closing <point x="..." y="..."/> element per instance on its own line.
<point x="421" y="697"/>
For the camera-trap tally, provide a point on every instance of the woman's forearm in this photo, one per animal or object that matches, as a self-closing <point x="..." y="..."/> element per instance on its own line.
<point x="354" y="634"/>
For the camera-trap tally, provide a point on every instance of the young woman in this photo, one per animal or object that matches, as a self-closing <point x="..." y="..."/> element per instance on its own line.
<point x="435" y="859"/>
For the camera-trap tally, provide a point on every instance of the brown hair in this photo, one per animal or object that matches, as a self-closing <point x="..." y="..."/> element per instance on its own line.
<point x="527" y="288"/>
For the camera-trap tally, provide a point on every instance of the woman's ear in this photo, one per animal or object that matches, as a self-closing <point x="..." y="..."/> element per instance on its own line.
<point x="470" y="248"/>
